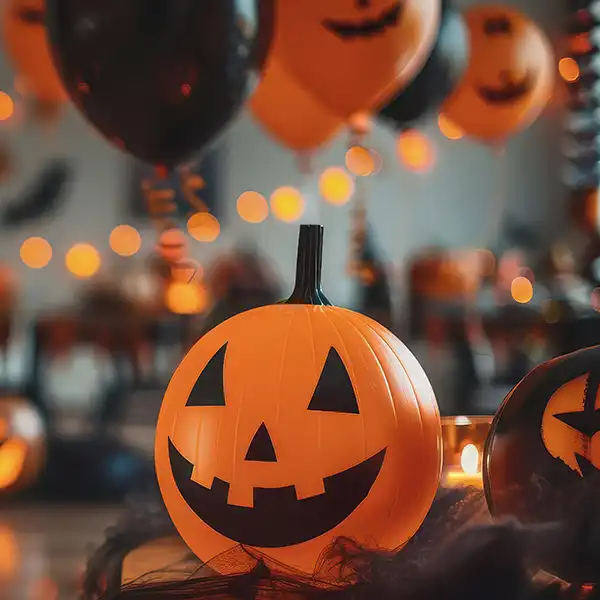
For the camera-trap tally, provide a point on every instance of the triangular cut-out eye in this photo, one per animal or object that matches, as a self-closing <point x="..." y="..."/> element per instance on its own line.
<point x="334" y="392"/>
<point x="209" y="389"/>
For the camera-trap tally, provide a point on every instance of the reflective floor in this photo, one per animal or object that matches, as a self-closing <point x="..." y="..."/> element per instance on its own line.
<point x="43" y="549"/>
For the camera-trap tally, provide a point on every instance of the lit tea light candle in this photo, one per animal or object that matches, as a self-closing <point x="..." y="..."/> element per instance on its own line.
<point x="464" y="439"/>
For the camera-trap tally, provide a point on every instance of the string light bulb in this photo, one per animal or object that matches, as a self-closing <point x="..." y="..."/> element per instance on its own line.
<point x="125" y="240"/>
<point x="204" y="227"/>
<point x="83" y="261"/>
<point x="415" y="151"/>
<point x="287" y="204"/>
<point x="36" y="252"/>
<point x="252" y="207"/>
<point x="336" y="186"/>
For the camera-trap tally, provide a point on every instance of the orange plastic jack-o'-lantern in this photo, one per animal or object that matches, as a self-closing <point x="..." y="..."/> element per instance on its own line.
<point x="355" y="54"/>
<point x="542" y="458"/>
<point x="289" y="425"/>
<point x="289" y="112"/>
<point x="25" y="38"/>
<point x="510" y="75"/>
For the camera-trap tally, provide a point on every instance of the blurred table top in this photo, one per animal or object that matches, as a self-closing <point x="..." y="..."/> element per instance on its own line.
<point x="44" y="548"/>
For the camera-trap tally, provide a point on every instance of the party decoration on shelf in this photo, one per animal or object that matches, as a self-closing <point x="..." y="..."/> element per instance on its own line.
<point x="159" y="80"/>
<point x="441" y="74"/>
<point x="22" y="445"/>
<point x="290" y="425"/>
<point x="542" y="458"/>
<point x="353" y="55"/>
<point x="25" y="39"/>
<point x="43" y="198"/>
<point x="289" y="113"/>
<point x="509" y="79"/>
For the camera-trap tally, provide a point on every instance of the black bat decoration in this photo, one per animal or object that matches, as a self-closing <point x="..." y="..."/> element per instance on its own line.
<point x="43" y="197"/>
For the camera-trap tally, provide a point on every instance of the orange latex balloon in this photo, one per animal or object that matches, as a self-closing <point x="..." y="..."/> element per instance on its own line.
<point x="510" y="76"/>
<point x="353" y="54"/>
<point x="290" y="425"/>
<point x="25" y="40"/>
<point x="289" y="113"/>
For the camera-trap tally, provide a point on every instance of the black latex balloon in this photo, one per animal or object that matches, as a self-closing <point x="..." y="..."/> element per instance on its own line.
<point x="442" y="72"/>
<point x="159" y="78"/>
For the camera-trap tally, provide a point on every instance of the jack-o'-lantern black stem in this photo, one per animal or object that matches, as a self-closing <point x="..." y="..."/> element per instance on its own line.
<point x="307" y="289"/>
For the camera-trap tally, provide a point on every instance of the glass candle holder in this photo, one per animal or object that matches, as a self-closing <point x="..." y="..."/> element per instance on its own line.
<point x="464" y="438"/>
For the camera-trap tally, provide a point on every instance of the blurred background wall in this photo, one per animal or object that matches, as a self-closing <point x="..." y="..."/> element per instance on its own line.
<point x="458" y="202"/>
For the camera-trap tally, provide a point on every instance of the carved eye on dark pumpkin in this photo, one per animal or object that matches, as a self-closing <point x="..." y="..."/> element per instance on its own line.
<point x="209" y="389"/>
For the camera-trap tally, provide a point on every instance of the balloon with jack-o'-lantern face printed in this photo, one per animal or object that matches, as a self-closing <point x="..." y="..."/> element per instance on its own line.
<point x="509" y="78"/>
<point x="355" y="54"/>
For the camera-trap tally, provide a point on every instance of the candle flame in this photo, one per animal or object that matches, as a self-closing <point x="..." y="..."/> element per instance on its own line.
<point x="469" y="459"/>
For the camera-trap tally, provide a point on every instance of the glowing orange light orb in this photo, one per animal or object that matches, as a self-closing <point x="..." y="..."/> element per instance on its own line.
<point x="83" y="261"/>
<point x="287" y="204"/>
<point x="521" y="289"/>
<point x="336" y="186"/>
<point x="252" y="207"/>
<point x="125" y="240"/>
<point x="204" y="227"/>
<point x="36" y="252"/>
<point x="415" y="151"/>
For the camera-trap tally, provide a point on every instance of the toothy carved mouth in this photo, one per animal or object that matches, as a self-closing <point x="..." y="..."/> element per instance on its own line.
<point x="278" y="518"/>
<point x="367" y="27"/>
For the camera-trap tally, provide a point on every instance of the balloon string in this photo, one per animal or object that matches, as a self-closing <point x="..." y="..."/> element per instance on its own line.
<point x="500" y="197"/>
<point x="358" y="224"/>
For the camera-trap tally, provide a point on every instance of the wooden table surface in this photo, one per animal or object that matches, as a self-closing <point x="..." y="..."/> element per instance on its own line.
<point x="43" y="549"/>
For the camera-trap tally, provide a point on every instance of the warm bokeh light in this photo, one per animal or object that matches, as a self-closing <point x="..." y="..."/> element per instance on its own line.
<point x="360" y="161"/>
<point x="12" y="458"/>
<point x="336" y="186"/>
<point x="7" y="106"/>
<point x="36" y="252"/>
<point x="204" y="227"/>
<point x="568" y="69"/>
<point x="83" y="261"/>
<point x="521" y="289"/>
<point x="449" y="129"/>
<point x="252" y="207"/>
<point x="469" y="459"/>
<point x="415" y="151"/>
<point x="9" y="553"/>
<point x="580" y="43"/>
<point x="125" y="240"/>
<point x="184" y="298"/>
<point x="287" y="204"/>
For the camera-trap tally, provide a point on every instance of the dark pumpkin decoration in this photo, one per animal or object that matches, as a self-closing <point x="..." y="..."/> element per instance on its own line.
<point x="542" y="459"/>
<point x="290" y="425"/>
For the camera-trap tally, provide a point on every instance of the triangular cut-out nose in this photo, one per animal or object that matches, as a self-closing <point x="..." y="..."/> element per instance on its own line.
<point x="261" y="447"/>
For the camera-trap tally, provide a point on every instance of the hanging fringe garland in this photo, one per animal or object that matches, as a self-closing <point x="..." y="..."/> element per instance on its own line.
<point x="458" y="554"/>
